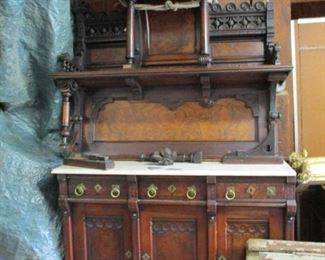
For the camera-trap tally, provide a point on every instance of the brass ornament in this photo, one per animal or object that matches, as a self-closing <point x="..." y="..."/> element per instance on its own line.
<point x="271" y="191"/>
<point x="172" y="188"/>
<point x="128" y="254"/>
<point x="98" y="188"/>
<point x="251" y="190"/>
<point x="145" y="257"/>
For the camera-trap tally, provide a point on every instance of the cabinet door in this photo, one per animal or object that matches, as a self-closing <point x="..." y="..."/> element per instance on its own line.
<point x="101" y="232"/>
<point x="173" y="233"/>
<point x="237" y="225"/>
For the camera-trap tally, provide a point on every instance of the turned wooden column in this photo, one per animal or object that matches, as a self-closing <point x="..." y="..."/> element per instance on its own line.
<point x="65" y="113"/>
<point x="130" y="34"/>
<point x="67" y="87"/>
<point x="204" y="58"/>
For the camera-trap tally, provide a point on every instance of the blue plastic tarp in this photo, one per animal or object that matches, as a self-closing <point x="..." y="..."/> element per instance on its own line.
<point x="33" y="33"/>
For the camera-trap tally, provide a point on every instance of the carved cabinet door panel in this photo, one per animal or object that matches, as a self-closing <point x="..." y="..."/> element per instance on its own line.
<point x="101" y="232"/>
<point x="236" y="225"/>
<point x="173" y="233"/>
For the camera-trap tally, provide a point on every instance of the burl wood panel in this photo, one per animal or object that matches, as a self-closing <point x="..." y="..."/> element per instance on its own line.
<point x="227" y="120"/>
<point x="100" y="56"/>
<point x="160" y="43"/>
<point x="231" y="50"/>
<point x="311" y="87"/>
<point x="162" y="40"/>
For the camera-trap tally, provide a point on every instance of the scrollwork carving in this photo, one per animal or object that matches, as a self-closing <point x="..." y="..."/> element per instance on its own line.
<point x="106" y="223"/>
<point x="248" y="228"/>
<point x="161" y="227"/>
<point x="243" y="7"/>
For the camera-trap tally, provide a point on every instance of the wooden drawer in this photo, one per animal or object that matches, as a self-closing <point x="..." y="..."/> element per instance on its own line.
<point x="180" y="188"/>
<point x="113" y="187"/>
<point x="257" y="191"/>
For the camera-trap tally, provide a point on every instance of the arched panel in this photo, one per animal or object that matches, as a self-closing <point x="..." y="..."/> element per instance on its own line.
<point x="227" y="120"/>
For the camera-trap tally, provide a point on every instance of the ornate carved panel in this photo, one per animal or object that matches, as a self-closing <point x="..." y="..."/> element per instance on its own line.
<point x="104" y="223"/>
<point x="180" y="237"/>
<point x="104" y="237"/>
<point x="250" y="26"/>
<point x="239" y="231"/>
<point x="232" y="19"/>
<point x="244" y="228"/>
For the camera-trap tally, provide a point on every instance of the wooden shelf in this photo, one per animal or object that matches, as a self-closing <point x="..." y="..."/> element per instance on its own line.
<point x="177" y="75"/>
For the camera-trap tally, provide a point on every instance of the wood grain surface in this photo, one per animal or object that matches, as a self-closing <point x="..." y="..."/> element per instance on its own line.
<point x="227" y="120"/>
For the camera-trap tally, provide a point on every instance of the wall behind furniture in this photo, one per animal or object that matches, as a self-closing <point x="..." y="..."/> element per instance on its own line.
<point x="310" y="59"/>
<point x="32" y="35"/>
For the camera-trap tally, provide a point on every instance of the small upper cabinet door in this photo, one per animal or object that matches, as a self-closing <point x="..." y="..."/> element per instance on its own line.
<point x="101" y="232"/>
<point x="173" y="233"/>
<point x="237" y="225"/>
<point x="170" y="38"/>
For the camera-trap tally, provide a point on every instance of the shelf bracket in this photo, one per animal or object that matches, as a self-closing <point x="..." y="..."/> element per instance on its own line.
<point x="205" y="83"/>
<point x="136" y="88"/>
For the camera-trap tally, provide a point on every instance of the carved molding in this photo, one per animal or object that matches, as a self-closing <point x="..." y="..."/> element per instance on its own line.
<point x="247" y="228"/>
<point x="251" y="18"/>
<point x="95" y="28"/>
<point x="161" y="227"/>
<point x="251" y="100"/>
<point x="106" y="223"/>
<point x="108" y="26"/>
<point x="207" y="98"/>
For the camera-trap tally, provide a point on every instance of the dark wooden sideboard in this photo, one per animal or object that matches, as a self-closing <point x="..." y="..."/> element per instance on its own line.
<point x="199" y="80"/>
<point x="141" y="211"/>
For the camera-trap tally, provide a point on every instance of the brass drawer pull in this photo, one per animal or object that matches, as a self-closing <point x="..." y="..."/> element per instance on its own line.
<point x="152" y="191"/>
<point x="230" y="193"/>
<point x="80" y="190"/>
<point x="115" y="191"/>
<point x="191" y="192"/>
<point x="222" y="257"/>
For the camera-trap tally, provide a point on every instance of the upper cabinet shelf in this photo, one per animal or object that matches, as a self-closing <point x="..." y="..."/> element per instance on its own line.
<point x="110" y="35"/>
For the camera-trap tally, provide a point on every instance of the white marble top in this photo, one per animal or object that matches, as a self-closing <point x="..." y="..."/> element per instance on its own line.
<point x="183" y="169"/>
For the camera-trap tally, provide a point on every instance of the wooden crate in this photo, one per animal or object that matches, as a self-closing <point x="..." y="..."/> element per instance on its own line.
<point x="258" y="249"/>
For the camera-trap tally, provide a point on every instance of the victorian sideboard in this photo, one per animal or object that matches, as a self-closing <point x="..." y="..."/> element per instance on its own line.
<point x="177" y="102"/>
<point x="204" y="211"/>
